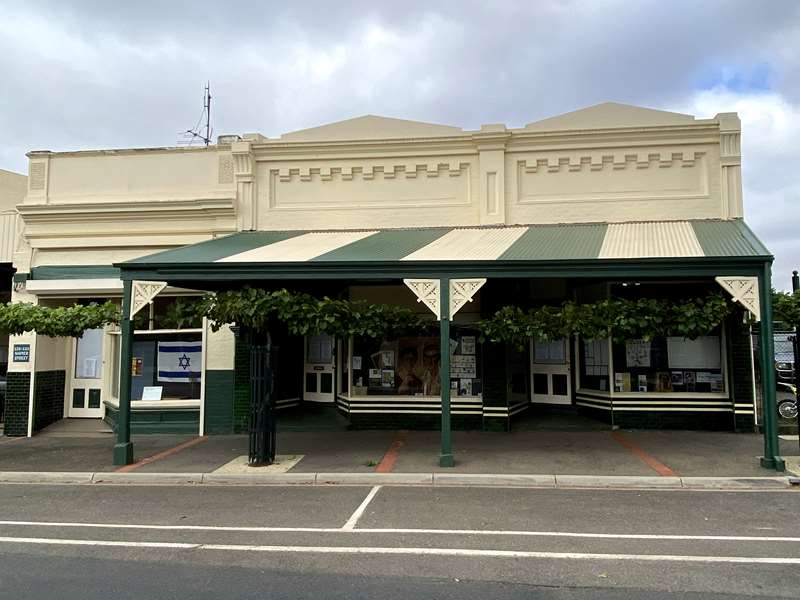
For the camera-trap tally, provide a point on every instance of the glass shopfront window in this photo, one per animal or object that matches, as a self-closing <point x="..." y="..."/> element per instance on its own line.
<point x="669" y="364"/>
<point x="594" y="365"/>
<point x="409" y="366"/>
<point x="171" y="361"/>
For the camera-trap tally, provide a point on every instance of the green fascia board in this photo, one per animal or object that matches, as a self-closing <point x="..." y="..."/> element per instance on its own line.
<point x="210" y="274"/>
<point x="74" y="272"/>
<point x="728" y="238"/>
<point x="388" y="245"/>
<point x="212" y="250"/>
<point x="558" y="242"/>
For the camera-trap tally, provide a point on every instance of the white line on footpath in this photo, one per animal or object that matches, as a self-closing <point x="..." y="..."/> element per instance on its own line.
<point x="463" y="552"/>
<point x="351" y="522"/>
<point x="481" y="532"/>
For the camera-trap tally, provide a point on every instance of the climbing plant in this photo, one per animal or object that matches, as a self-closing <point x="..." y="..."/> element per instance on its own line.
<point x="62" y="321"/>
<point x="618" y="318"/>
<point x="304" y="314"/>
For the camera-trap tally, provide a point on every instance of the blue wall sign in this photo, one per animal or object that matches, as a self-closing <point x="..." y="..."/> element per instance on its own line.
<point x="22" y="353"/>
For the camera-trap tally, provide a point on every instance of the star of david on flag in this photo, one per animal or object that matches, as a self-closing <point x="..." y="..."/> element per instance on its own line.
<point x="179" y="361"/>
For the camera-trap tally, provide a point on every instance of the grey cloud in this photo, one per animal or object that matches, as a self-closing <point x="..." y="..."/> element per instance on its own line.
<point x="113" y="74"/>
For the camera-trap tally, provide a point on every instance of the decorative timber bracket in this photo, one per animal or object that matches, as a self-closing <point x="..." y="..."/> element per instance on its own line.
<point x="428" y="292"/>
<point x="743" y="290"/>
<point x="143" y="293"/>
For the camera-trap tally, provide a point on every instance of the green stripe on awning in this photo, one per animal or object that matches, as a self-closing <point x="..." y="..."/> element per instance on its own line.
<point x="388" y="245"/>
<point x="728" y="238"/>
<point x="557" y="242"/>
<point x="74" y="272"/>
<point x="221" y="247"/>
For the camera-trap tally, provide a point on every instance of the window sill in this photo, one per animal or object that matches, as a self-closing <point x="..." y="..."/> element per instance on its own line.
<point x="156" y="404"/>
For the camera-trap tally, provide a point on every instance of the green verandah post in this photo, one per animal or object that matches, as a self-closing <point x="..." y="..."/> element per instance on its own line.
<point x="123" y="449"/>
<point x="771" y="458"/>
<point x="446" y="456"/>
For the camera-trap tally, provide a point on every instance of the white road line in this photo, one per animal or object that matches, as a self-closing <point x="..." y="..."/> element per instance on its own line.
<point x="464" y="552"/>
<point x="351" y="522"/>
<point x="122" y="544"/>
<point x="480" y="532"/>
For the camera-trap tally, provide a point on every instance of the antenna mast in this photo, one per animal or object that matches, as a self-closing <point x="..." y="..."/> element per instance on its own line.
<point x="191" y="135"/>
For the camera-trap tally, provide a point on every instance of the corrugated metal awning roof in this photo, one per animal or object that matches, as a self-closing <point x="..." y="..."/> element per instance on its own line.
<point x="631" y="241"/>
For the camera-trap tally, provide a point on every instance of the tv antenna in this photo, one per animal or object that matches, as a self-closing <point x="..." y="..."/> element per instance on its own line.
<point x="191" y="135"/>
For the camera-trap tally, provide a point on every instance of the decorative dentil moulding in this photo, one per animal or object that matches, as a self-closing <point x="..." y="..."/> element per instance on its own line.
<point x="387" y="171"/>
<point x="143" y="293"/>
<point x="743" y="290"/>
<point x="598" y="161"/>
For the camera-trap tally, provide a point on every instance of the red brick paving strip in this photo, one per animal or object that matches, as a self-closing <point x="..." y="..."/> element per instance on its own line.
<point x="160" y="455"/>
<point x="387" y="462"/>
<point x="648" y="459"/>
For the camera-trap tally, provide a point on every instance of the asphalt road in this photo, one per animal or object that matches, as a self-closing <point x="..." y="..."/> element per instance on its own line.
<point x="114" y="541"/>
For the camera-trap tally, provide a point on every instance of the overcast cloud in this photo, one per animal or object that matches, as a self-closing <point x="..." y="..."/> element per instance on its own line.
<point x="99" y="74"/>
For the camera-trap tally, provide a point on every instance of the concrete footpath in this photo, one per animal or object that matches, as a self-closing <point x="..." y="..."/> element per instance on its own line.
<point x="69" y="453"/>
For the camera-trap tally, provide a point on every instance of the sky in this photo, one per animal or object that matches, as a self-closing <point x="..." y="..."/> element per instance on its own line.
<point x="99" y="74"/>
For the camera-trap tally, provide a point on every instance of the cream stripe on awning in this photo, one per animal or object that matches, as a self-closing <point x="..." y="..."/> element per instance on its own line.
<point x="301" y="248"/>
<point x="469" y="244"/>
<point x="650" y="240"/>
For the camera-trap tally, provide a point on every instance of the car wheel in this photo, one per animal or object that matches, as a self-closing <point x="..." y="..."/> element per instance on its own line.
<point x="787" y="409"/>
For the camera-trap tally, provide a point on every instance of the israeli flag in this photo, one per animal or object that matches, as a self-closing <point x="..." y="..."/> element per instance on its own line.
<point x="179" y="361"/>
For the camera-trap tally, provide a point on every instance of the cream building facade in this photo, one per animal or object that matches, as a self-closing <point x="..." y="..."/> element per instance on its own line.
<point x="611" y="199"/>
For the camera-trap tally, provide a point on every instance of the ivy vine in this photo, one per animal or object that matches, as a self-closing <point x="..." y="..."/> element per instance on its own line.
<point x="304" y="314"/>
<point x="618" y="318"/>
<point x="62" y="321"/>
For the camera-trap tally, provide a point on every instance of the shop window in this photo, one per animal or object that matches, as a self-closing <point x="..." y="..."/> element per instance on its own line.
<point x="409" y="366"/>
<point x="594" y="365"/>
<point x="669" y="364"/>
<point x="169" y="361"/>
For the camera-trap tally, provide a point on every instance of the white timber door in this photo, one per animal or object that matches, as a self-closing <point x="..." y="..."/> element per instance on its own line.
<point x="87" y="375"/>
<point x="550" y="372"/>
<point x="319" y="369"/>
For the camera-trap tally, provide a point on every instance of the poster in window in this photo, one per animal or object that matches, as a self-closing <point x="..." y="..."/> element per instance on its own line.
<point x="701" y="353"/>
<point x="136" y="366"/>
<point x="468" y="344"/>
<point x="374" y="376"/>
<point x="387" y="358"/>
<point x="637" y="353"/>
<point x="463" y="365"/>
<point x="663" y="382"/>
<point x="356" y="363"/>
<point x="642" y="383"/>
<point x="465" y="387"/>
<point x="387" y="378"/>
<point x="689" y="380"/>
<point x="677" y="378"/>
<point x="622" y="382"/>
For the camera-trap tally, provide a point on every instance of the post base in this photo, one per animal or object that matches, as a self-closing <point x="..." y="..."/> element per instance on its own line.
<point x="446" y="460"/>
<point x="775" y="463"/>
<point x="123" y="454"/>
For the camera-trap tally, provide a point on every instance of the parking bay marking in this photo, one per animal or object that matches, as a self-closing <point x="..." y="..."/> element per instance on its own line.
<point x="462" y="552"/>
<point x="480" y="532"/>
<point x="351" y="522"/>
